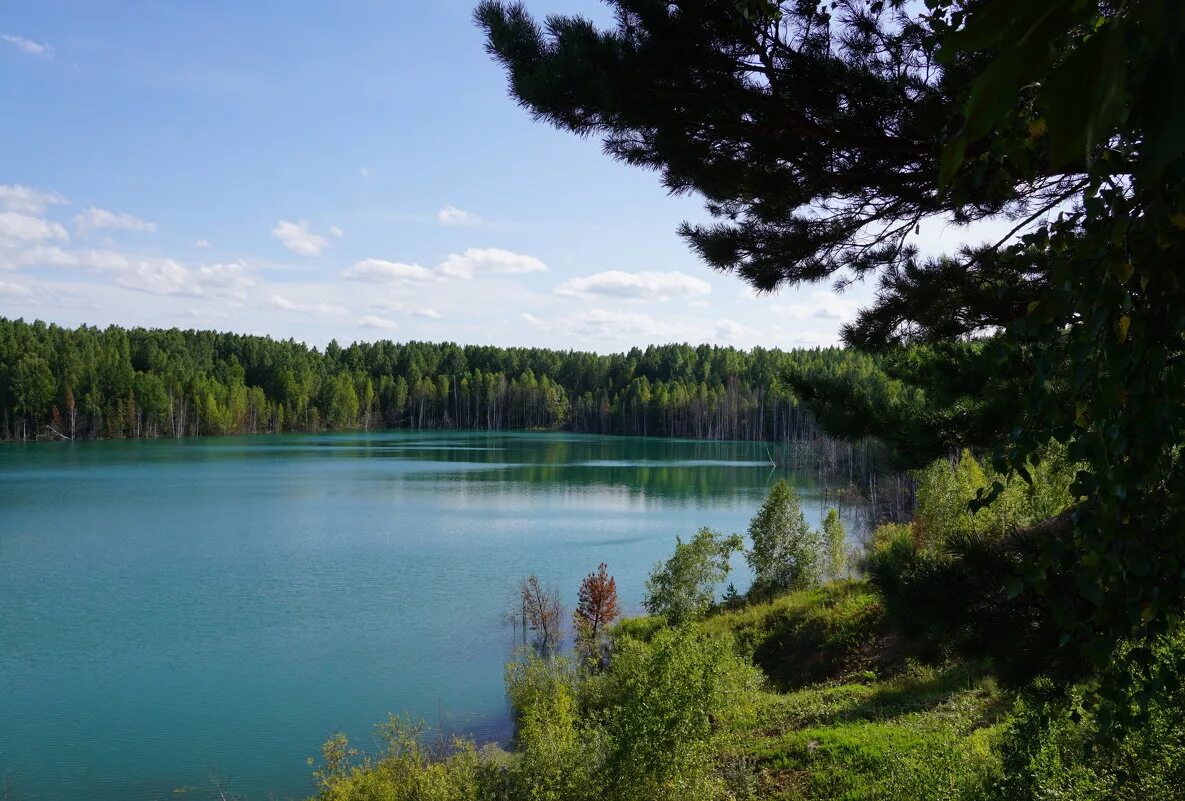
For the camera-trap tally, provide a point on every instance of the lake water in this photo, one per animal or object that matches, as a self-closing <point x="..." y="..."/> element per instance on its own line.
<point x="173" y="609"/>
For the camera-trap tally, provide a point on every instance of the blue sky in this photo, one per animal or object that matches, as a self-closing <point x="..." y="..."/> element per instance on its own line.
<point x="348" y="170"/>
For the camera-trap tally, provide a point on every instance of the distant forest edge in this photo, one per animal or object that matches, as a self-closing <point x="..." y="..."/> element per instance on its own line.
<point x="88" y="383"/>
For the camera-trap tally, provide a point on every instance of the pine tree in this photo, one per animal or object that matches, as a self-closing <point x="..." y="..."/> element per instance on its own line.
<point x="595" y="611"/>
<point x="821" y="135"/>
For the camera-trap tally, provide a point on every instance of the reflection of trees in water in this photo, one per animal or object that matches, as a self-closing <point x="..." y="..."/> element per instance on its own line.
<point x="855" y="478"/>
<point x="682" y="483"/>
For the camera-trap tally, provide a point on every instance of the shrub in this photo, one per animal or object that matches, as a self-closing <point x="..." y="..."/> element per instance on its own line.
<point x="786" y="553"/>
<point x="684" y="587"/>
<point x="664" y="700"/>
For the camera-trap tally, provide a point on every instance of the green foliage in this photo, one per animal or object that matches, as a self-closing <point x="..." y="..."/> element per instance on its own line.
<point x="835" y="539"/>
<point x="137" y="382"/>
<point x="951" y="577"/>
<point x="684" y="715"/>
<point x="407" y="769"/>
<point x="1056" y="747"/>
<point x="556" y="753"/>
<point x="947" y="489"/>
<point x="32" y="387"/>
<point x="641" y="730"/>
<point x="786" y="172"/>
<point x="343" y="405"/>
<point x="1067" y="116"/>
<point x="786" y="553"/>
<point x="684" y="587"/>
<point x="944" y="494"/>
<point x="1101" y="339"/>
<point x="886" y="534"/>
<point x="665" y="699"/>
<point x="809" y="636"/>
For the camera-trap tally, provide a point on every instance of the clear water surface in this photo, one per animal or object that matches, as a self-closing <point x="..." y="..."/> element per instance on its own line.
<point x="174" y="609"/>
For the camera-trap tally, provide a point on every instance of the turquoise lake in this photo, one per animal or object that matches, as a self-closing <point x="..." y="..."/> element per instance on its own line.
<point x="174" y="609"/>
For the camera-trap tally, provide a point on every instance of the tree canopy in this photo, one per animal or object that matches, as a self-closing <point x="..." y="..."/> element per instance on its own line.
<point x="821" y="135"/>
<point x="117" y="382"/>
<point x="786" y="553"/>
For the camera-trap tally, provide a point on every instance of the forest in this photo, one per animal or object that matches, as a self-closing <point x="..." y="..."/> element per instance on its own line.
<point x="88" y="383"/>
<point x="1023" y="635"/>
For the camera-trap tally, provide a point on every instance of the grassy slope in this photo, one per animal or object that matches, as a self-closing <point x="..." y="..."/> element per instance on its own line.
<point x="848" y="713"/>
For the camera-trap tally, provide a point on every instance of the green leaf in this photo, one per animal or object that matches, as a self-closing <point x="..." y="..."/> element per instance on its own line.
<point x="993" y="94"/>
<point x="952" y="159"/>
<point x="1013" y="586"/>
<point x="1164" y="116"/>
<point x="1085" y="95"/>
<point x="992" y="22"/>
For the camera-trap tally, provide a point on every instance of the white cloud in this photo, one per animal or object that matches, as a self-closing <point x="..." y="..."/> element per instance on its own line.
<point x="37" y="256"/>
<point x="451" y="215"/>
<point x="371" y="321"/>
<point x="389" y="304"/>
<point x="732" y="330"/>
<point x="10" y="290"/>
<point x="620" y="285"/>
<point x="489" y="261"/>
<point x="159" y="277"/>
<point x="821" y="306"/>
<point x="604" y="324"/>
<point x="103" y="260"/>
<point x="299" y="238"/>
<point x="28" y="46"/>
<point x="316" y="309"/>
<point x="339" y="233"/>
<point x="801" y="339"/>
<point x="431" y="314"/>
<point x="204" y="314"/>
<point x="230" y="280"/>
<point x="94" y="219"/>
<point x="637" y="327"/>
<point x="27" y="200"/>
<point x="382" y="270"/>
<point x="203" y="244"/>
<point x="16" y="228"/>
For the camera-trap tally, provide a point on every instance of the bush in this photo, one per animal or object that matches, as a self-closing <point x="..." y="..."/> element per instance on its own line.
<point x="556" y="755"/>
<point x="961" y="601"/>
<point x="683" y="588"/>
<point x="408" y="769"/>
<point x="808" y="636"/>
<point x="641" y="730"/>
<point x="664" y="699"/>
<point x="1057" y="748"/>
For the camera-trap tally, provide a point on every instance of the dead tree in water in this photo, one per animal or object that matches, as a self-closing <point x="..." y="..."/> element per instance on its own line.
<point x="541" y="613"/>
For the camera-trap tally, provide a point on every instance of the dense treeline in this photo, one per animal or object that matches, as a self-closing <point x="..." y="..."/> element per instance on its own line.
<point x="114" y="382"/>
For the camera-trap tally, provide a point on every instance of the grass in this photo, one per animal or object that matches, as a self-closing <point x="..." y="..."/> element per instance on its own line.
<point x="849" y="713"/>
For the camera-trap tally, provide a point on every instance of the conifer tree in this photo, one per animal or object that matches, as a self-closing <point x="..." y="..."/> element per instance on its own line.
<point x="596" y="609"/>
<point x="822" y="135"/>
